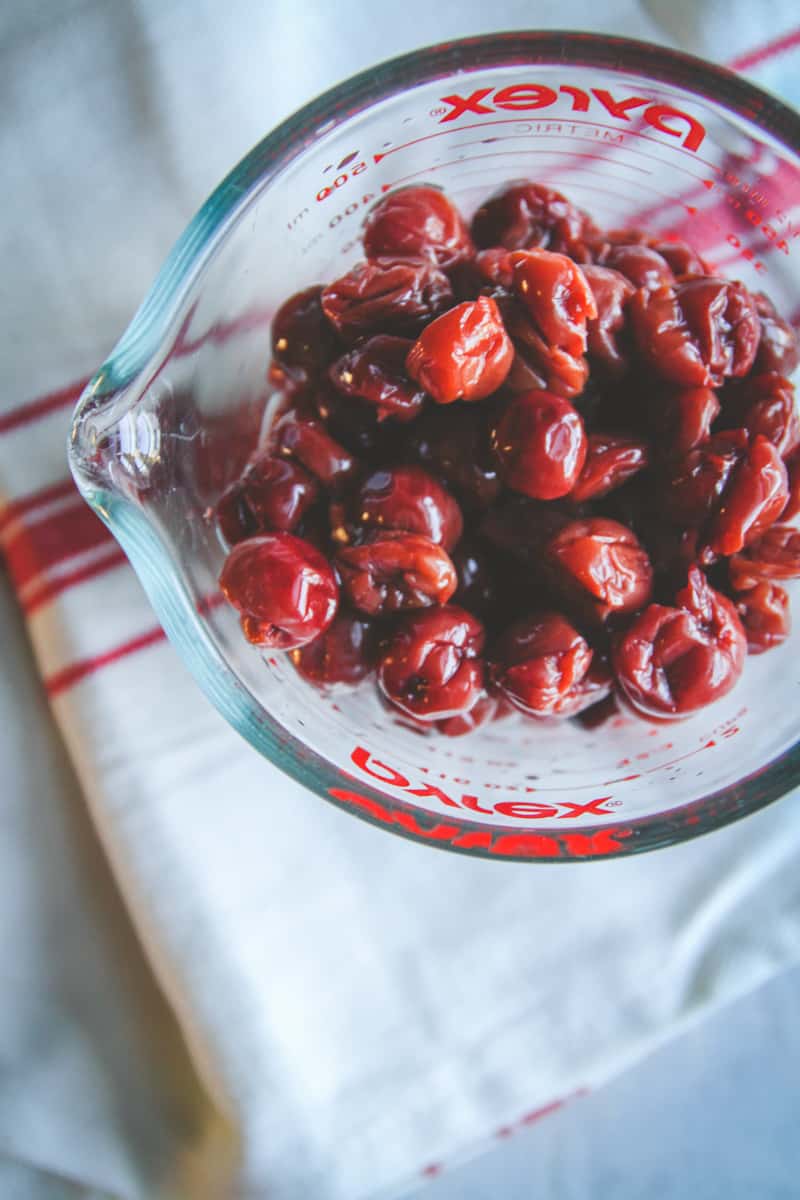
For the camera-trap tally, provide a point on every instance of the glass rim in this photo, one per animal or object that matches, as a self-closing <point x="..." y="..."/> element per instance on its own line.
<point x="145" y="334"/>
<point x="374" y="84"/>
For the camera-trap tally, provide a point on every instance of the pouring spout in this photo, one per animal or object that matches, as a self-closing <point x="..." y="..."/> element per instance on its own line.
<point x="115" y="441"/>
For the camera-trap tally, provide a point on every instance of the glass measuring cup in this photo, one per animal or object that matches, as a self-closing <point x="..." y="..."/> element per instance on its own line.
<point x="638" y="136"/>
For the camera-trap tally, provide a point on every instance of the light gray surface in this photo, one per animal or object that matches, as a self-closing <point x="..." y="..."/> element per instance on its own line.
<point x="713" y="1116"/>
<point x="81" y="1018"/>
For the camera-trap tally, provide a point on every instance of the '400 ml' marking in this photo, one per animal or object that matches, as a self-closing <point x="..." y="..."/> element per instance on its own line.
<point x="523" y="810"/>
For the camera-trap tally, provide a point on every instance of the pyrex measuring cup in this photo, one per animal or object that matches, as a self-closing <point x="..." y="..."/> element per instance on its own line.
<point x="636" y="135"/>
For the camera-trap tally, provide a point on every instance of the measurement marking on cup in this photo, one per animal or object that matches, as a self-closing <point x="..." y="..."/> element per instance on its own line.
<point x="706" y="746"/>
<point x="297" y="219"/>
<point x="351" y="209"/>
<point x="341" y="180"/>
<point x="572" y="127"/>
<point x="313" y="242"/>
<point x="618" y="162"/>
<point x="506" y="154"/>
<point x="539" y="125"/>
<point x="733" y="240"/>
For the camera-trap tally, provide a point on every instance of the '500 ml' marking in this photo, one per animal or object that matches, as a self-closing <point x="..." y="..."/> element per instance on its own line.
<point x="341" y="180"/>
<point x="523" y="810"/>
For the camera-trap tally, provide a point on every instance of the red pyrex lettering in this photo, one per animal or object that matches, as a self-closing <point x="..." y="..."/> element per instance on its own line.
<point x="528" y="97"/>
<point x="597" y="844"/>
<point x="522" y="810"/>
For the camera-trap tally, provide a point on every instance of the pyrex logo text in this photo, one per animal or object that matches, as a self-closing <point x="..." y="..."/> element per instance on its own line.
<point x="528" y="97"/>
<point x="523" y="810"/>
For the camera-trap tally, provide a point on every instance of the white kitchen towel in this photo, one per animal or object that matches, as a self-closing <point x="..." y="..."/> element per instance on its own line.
<point x="358" y="1009"/>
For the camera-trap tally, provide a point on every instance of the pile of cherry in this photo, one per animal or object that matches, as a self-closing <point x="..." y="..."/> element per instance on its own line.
<point x="526" y="463"/>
